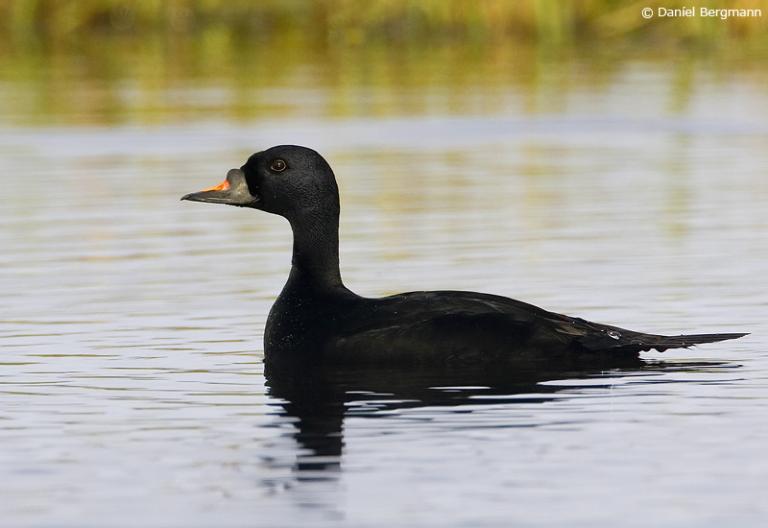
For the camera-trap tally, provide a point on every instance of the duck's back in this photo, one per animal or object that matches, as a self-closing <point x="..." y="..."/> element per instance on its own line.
<point x="449" y="327"/>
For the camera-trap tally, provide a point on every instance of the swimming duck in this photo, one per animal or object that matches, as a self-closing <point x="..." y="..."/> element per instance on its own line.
<point x="316" y="319"/>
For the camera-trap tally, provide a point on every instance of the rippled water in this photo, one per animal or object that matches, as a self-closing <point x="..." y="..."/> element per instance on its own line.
<point x="131" y="377"/>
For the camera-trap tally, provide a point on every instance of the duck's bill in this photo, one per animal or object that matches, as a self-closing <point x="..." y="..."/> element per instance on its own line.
<point x="232" y="191"/>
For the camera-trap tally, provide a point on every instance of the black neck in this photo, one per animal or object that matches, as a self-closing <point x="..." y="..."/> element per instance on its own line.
<point x="316" y="249"/>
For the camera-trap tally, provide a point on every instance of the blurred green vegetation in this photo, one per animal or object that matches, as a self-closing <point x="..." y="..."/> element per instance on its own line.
<point x="345" y="22"/>
<point x="109" y="61"/>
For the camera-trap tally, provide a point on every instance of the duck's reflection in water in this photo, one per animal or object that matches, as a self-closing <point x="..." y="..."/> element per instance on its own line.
<point x="317" y="399"/>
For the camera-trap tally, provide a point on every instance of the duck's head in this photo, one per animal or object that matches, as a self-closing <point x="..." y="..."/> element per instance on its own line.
<point x="287" y="180"/>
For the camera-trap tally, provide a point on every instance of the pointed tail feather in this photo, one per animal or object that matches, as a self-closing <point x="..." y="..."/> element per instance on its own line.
<point x="661" y="343"/>
<point x="615" y="339"/>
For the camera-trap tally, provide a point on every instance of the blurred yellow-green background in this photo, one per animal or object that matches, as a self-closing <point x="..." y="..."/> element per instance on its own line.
<point x="337" y="22"/>
<point x="75" y="57"/>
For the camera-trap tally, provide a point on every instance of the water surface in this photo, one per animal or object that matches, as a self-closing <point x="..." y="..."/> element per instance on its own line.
<point x="131" y="378"/>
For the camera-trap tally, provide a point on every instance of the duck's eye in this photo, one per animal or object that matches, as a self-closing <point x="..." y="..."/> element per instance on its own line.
<point x="278" y="165"/>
